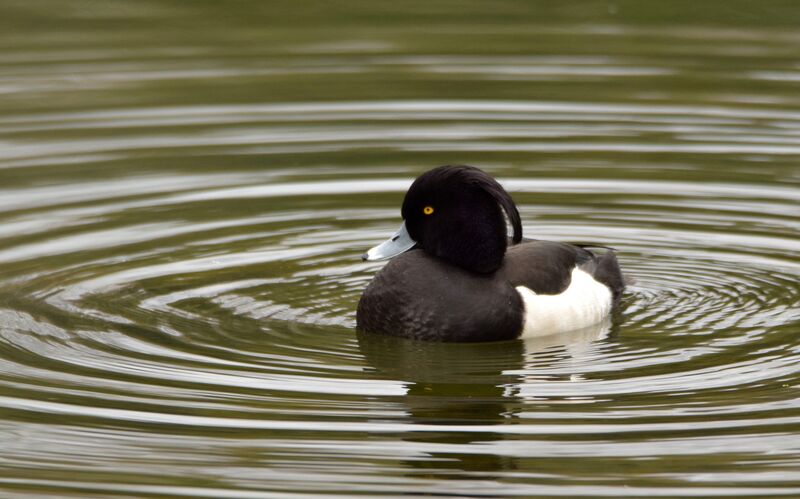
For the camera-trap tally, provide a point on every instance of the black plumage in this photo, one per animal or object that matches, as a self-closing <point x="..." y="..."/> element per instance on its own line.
<point x="458" y="283"/>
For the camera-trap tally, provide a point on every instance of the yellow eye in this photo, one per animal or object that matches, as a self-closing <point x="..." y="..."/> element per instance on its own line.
<point x="428" y="210"/>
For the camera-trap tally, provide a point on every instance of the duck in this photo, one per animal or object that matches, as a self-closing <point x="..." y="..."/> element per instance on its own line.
<point x="455" y="275"/>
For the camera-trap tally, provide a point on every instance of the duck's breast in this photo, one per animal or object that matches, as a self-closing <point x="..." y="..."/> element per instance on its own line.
<point x="418" y="296"/>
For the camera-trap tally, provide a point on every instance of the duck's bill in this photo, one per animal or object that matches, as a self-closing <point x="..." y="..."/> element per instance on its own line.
<point x="400" y="242"/>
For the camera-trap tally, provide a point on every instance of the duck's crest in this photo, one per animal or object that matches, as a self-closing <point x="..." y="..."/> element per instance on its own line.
<point x="477" y="177"/>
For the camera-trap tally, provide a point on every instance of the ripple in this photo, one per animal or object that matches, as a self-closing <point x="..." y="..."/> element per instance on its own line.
<point x="179" y="283"/>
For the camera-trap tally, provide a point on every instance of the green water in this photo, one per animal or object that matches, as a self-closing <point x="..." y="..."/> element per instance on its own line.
<point x="186" y="188"/>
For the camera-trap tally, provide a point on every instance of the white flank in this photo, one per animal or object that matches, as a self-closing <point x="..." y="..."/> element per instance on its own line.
<point x="584" y="303"/>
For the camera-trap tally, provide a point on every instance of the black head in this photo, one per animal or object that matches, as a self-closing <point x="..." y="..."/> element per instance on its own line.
<point x="454" y="213"/>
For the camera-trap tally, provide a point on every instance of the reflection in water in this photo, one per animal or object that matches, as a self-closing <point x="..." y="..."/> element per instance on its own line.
<point x="455" y="385"/>
<point x="468" y="384"/>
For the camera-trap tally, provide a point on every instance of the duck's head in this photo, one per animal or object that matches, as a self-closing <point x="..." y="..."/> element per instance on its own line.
<point x="455" y="213"/>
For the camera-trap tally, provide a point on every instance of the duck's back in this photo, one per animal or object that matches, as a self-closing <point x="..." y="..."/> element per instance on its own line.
<point x="545" y="267"/>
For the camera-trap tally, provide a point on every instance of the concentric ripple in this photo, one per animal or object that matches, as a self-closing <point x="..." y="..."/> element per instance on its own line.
<point x="180" y="231"/>
<point x="217" y="310"/>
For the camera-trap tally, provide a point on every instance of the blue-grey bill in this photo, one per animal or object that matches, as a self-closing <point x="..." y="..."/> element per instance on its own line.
<point x="400" y="242"/>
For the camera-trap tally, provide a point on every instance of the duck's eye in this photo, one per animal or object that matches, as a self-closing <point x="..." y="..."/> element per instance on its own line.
<point x="428" y="210"/>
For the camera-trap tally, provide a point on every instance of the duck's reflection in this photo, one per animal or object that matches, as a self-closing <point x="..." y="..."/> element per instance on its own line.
<point x="452" y="385"/>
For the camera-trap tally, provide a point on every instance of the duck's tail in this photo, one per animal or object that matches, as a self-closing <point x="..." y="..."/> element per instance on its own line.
<point x="609" y="273"/>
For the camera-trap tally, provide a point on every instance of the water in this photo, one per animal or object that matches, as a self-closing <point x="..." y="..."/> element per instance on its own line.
<point x="186" y="190"/>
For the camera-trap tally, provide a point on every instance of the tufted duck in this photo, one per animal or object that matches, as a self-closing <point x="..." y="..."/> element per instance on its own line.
<point x="458" y="277"/>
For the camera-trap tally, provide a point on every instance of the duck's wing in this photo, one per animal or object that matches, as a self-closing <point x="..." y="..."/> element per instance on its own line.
<point x="545" y="267"/>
